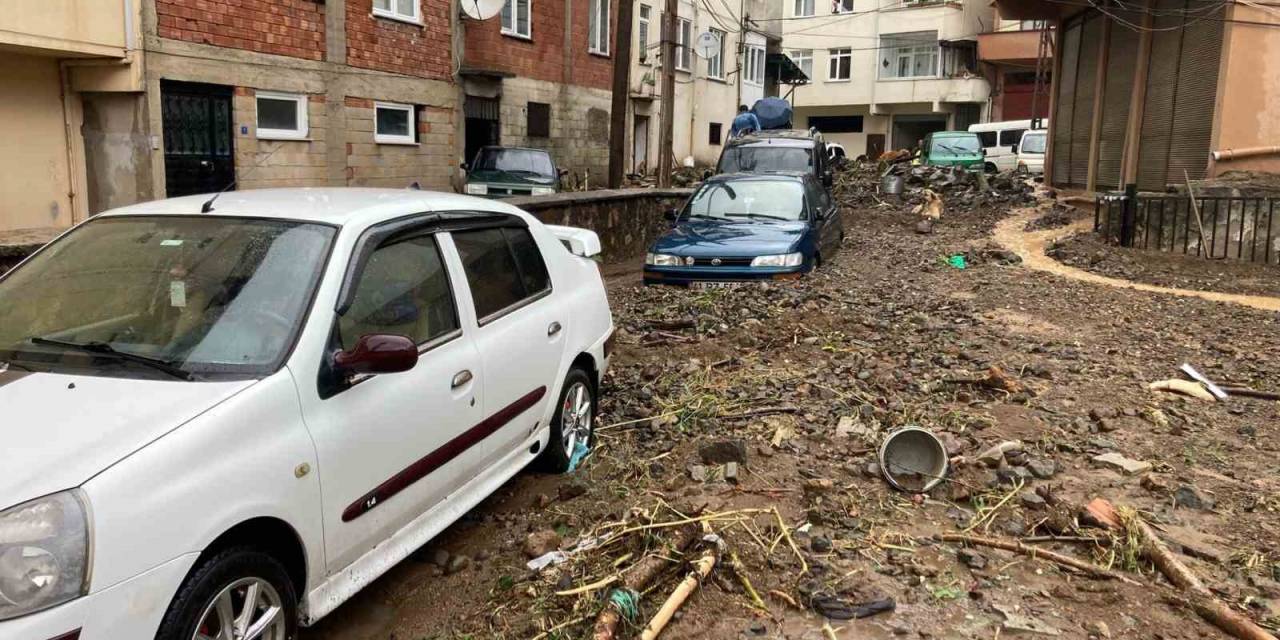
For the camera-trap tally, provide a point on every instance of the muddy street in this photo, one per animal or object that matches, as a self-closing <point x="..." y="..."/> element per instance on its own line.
<point x="756" y="414"/>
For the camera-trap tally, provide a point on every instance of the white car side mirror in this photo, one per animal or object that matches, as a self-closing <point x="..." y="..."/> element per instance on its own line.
<point x="579" y="242"/>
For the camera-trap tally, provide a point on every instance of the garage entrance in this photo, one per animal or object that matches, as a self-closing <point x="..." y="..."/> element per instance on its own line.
<point x="909" y="130"/>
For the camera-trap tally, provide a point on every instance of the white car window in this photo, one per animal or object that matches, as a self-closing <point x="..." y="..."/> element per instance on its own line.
<point x="404" y="290"/>
<point x="503" y="268"/>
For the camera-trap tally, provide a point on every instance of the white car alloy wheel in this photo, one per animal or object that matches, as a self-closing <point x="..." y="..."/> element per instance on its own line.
<point x="575" y="417"/>
<point x="247" y="609"/>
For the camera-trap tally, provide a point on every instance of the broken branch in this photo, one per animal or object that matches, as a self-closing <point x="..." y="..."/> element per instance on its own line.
<point x="678" y="597"/>
<point x="1039" y="554"/>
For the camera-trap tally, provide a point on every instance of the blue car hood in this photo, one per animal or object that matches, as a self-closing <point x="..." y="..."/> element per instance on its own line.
<point x="711" y="238"/>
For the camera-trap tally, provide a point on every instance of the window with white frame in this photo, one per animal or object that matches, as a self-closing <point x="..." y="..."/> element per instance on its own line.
<point x="598" y="27"/>
<point x="281" y="116"/>
<point x="804" y="8"/>
<point x="397" y="9"/>
<point x="909" y="55"/>
<point x="754" y="72"/>
<point x="803" y="59"/>
<point x="684" y="39"/>
<point x="642" y="34"/>
<point x="515" y="18"/>
<point x="394" y="123"/>
<point x="841" y="6"/>
<point x="715" y="63"/>
<point x="839" y="64"/>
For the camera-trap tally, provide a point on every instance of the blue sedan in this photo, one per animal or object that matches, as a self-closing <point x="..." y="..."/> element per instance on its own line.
<point x="746" y="227"/>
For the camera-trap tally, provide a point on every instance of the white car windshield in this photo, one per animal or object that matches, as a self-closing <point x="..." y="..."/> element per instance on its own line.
<point x="183" y="296"/>
<point x="1033" y="143"/>
<point x="749" y="200"/>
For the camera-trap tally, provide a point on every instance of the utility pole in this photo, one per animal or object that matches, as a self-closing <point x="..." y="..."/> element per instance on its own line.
<point x="665" y="141"/>
<point x="621" y="91"/>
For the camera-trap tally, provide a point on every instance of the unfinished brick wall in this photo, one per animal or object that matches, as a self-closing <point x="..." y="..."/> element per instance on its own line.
<point x="279" y="163"/>
<point x="430" y="162"/>
<point x="383" y="44"/>
<point x="541" y="57"/>
<point x="281" y="27"/>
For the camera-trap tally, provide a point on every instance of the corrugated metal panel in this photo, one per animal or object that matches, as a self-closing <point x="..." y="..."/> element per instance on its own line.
<point x="1197" y="90"/>
<point x="1064" y="113"/>
<point x="1162" y="77"/>
<point x="1086" y="91"/>
<point x="1122" y="58"/>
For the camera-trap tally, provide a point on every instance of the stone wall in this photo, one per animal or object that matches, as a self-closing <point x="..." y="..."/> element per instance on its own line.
<point x="627" y="220"/>
<point x="579" y="140"/>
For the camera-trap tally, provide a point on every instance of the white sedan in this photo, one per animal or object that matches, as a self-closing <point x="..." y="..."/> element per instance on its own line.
<point x="223" y="424"/>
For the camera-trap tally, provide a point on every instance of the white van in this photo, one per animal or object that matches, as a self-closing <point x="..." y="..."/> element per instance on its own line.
<point x="1030" y="156"/>
<point x="1000" y="140"/>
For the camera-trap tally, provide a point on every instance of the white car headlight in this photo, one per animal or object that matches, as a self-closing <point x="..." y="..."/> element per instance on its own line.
<point x="477" y="189"/>
<point x="780" y="260"/>
<point x="44" y="553"/>
<point x="543" y="191"/>
<point x="662" y="260"/>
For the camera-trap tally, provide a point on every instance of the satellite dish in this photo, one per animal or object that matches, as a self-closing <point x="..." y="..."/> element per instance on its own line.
<point x="482" y="9"/>
<point x="707" y="44"/>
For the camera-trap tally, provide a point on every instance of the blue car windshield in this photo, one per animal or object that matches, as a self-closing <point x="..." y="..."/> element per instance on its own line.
<point x="749" y="200"/>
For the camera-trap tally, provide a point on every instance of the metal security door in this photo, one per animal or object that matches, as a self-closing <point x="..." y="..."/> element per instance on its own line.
<point x="198" y="149"/>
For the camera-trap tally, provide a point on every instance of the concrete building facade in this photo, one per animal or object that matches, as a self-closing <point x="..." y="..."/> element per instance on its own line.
<point x="1010" y="54"/>
<point x="885" y="73"/>
<point x="1160" y="92"/>
<point x="708" y="88"/>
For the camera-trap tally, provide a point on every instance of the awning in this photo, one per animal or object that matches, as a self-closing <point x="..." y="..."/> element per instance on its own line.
<point x="786" y="69"/>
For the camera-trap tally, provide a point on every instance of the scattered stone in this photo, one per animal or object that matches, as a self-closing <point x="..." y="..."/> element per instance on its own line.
<point x="540" y="543"/>
<point x="699" y="473"/>
<point x="818" y="487"/>
<point x="731" y="473"/>
<point x="924" y="227"/>
<point x="1099" y="630"/>
<point x="972" y="559"/>
<point x="1107" y="425"/>
<point x="572" y="489"/>
<point x="1042" y="468"/>
<point x="456" y="564"/>
<point x="1123" y="464"/>
<point x="871" y="470"/>
<point x="821" y="544"/>
<point x="1188" y="497"/>
<point x="440" y="558"/>
<point x="1031" y="500"/>
<point x="995" y="455"/>
<point x="757" y="628"/>
<point x="1013" y="475"/>
<point x="723" y="451"/>
<point x="1154" y="483"/>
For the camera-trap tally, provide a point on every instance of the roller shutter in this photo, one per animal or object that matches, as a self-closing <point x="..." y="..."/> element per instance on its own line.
<point x="1162" y="83"/>
<point x="1197" y="91"/>
<point x="1122" y="58"/>
<point x="1086" y="91"/>
<point x="1063" y="117"/>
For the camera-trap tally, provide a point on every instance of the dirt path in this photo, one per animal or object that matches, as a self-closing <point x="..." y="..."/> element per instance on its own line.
<point x="1030" y="246"/>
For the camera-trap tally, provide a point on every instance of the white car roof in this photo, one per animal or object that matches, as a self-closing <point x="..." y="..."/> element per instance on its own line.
<point x="331" y="205"/>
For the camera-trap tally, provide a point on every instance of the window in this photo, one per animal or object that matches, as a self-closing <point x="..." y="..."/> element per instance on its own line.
<point x="715" y="63"/>
<point x="803" y="59"/>
<point x="598" y="27"/>
<point x="1009" y="137"/>
<point x="988" y="138"/>
<point x="909" y="55"/>
<point x="803" y="8"/>
<point x="840" y="64"/>
<point x="515" y="18"/>
<point x="837" y="124"/>
<point x="282" y="116"/>
<point x="404" y="290"/>
<point x="642" y="35"/>
<point x="397" y="9"/>
<point x="503" y="267"/>
<point x="716" y="128"/>
<point x="684" y="38"/>
<point x="538" y="120"/>
<point x="841" y="6"/>
<point x="755" y="66"/>
<point x="394" y="123"/>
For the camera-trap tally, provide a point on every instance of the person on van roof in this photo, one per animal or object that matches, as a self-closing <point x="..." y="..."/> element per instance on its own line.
<point x="744" y="123"/>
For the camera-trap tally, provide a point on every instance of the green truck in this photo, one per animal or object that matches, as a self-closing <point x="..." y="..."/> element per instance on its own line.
<point x="953" y="149"/>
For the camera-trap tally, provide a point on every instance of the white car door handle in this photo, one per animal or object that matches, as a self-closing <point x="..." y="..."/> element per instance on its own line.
<point x="553" y="329"/>
<point x="461" y="378"/>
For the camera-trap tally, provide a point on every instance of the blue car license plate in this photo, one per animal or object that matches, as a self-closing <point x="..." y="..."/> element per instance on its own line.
<point x="705" y="285"/>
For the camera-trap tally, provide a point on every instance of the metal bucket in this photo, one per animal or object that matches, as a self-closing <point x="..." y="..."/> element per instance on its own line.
<point x="891" y="184"/>
<point x="913" y="460"/>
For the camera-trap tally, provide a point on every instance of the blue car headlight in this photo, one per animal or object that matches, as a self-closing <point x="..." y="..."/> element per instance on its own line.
<point x="662" y="260"/>
<point x="780" y="260"/>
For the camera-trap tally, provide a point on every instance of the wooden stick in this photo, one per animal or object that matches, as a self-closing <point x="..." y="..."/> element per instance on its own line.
<point x="638" y="578"/>
<point x="804" y="566"/>
<point x="589" y="587"/>
<point x="739" y="571"/>
<point x="764" y="411"/>
<point x="1251" y="393"/>
<point x="1199" y="222"/>
<point x="1039" y="554"/>
<point x="785" y="597"/>
<point x="1202" y="600"/>
<point x="678" y="597"/>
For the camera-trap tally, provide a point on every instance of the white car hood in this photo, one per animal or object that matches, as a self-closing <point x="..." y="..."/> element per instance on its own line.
<point x="58" y="430"/>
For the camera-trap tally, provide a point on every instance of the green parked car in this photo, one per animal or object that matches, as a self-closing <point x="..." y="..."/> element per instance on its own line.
<point x="953" y="149"/>
<point x="502" y="172"/>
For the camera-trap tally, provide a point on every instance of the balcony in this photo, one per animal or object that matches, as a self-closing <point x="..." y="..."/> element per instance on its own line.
<point x="69" y="28"/>
<point x="1010" y="47"/>
<point x="932" y="90"/>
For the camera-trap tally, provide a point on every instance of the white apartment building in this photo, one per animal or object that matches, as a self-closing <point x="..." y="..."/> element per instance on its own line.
<point x="708" y="90"/>
<point x="885" y="73"/>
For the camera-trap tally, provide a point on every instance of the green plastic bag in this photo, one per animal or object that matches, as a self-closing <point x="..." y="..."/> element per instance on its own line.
<point x="957" y="261"/>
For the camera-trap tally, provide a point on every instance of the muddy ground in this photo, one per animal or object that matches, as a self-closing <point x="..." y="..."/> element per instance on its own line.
<point x="799" y="382"/>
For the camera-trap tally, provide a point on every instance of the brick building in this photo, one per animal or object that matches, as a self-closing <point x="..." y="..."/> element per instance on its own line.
<point x="539" y="75"/>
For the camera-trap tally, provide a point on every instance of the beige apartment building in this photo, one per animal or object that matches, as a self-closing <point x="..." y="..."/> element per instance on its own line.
<point x="885" y="73"/>
<point x="709" y="89"/>
<point x="70" y="71"/>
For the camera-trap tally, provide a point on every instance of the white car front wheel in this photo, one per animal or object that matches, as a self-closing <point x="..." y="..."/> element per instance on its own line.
<point x="238" y="594"/>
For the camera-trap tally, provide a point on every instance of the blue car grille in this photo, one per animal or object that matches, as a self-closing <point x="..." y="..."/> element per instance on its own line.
<point x="722" y="262"/>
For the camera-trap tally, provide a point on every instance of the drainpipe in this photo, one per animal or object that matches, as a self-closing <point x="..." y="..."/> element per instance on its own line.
<point x="64" y="82"/>
<point x="1247" y="152"/>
